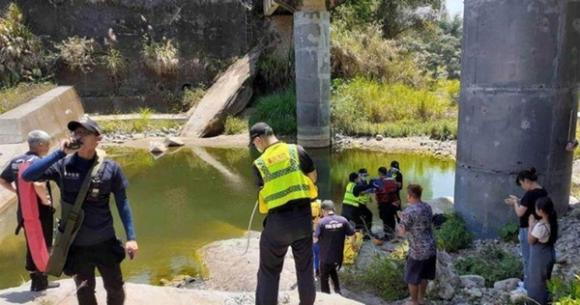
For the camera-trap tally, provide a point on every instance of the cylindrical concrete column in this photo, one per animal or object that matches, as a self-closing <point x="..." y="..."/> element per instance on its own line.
<point x="312" y="52"/>
<point x="518" y="104"/>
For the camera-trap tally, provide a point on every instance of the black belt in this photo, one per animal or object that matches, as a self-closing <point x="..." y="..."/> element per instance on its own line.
<point x="289" y="207"/>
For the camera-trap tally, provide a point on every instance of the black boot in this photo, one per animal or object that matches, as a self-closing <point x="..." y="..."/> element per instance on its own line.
<point x="36" y="281"/>
<point x="40" y="282"/>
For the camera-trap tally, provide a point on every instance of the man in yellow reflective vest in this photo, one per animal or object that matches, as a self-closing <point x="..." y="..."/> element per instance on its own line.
<point x="282" y="173"/>
<point x="364" y="192"/>
<point x="354" y="203"/>
<point x="350" y="203"/>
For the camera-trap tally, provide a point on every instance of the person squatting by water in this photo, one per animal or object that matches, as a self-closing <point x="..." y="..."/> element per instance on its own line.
<point x="364" y="198"/>
<point x="95" y="244"/>
<point x="330" y="235"/>
<point x="282" y="172"/>
<point x="416" y="224"/>
<point x="528" y="181"/>
<point x="38" y="146"/>
<point x="351" y="203"/>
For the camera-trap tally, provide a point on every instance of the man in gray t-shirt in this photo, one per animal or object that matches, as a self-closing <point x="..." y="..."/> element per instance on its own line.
<point x="416" y="224"/>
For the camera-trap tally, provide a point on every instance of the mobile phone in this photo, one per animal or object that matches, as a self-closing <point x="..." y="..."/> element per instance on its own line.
<point x="74" y="144"/>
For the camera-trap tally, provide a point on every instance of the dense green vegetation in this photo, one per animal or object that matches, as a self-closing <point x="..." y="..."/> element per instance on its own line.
<point x="383" y="276"/>
<point x="143" y="124"/>
<point x="364" y="107"/>
<point x="565" y="293"/>
<point x="12" y="97"/>
<point x="453" y="234"/>
<point x="22" y="56"/>
<point x="509" y="232"/>
<point x="492" y="263"/>
<point x="395" y="72"/>
<point x="395" y="68"/>
<point x="234" y="125"/>
<point x="278" y="110"/>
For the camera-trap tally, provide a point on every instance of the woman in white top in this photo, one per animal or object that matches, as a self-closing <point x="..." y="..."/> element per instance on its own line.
<point x="542" y="236"/>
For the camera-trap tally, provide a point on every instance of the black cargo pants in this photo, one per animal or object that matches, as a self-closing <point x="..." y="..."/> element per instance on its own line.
<point x="291" y="227"/>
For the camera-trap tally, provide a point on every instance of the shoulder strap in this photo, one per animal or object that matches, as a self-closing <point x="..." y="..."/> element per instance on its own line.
<point x="93" y="171"/>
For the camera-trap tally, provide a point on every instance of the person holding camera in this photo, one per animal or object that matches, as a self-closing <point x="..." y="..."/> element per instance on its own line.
<point x="523" y="208"/>
<point x="86" y="181"/>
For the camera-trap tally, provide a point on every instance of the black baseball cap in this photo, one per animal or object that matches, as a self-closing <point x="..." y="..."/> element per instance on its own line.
<point x="85" y="122"/>
<point x="260" y="129"/>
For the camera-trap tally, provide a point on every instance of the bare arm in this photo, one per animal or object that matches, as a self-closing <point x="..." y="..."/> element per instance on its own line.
<point x="514" y="201"/>
<point x="405" y="222"/>
<point x="313" y="175"/>
<point x="401" y="230"/>
<point x="531" y="239"/>
<point x="520" y="210"/>
<point x="42" y="193"/>
<point x="7" y="185"/>
<point x="531" y="224"/>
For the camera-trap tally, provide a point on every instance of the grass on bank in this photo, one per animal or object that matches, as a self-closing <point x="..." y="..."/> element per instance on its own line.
<point x="235" y="125"/>
<point x="382" y="277"/>
<point x="278" y="110"/>
<point x="565" y="292"/>
<point x="137" y="126"/>
<point x="364" y="107"/>
<point x="453" y="235"/>
<point x="13" y="97"/>
<point x="492" y="263"/>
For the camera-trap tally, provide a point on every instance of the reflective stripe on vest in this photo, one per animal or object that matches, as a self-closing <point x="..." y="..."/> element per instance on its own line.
<point x="279" y="167"/>
<point x="349" y="197"/>
<point x="364" y="198"/>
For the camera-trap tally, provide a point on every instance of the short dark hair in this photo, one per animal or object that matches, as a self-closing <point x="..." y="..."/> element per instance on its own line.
<point x="415" y="190"/>
<point x="352" y="177"/>
<point x="383" y="170"/>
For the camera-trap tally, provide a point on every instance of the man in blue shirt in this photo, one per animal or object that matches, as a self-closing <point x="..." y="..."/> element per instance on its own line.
<point x="330" y="234"/>
<point x="95" y="245"/>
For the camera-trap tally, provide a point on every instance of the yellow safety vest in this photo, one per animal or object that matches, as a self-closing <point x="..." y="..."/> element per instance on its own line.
<point x="349" y="197"/>
<point x="279" y="167"/>
<point x="364" y="198"/>
<point x="316" y="207"/>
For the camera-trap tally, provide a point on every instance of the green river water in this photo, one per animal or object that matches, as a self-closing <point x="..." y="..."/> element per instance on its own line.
<point x="189" y="198"/>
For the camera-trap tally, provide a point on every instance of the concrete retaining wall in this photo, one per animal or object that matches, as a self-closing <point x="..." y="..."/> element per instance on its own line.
<point x="207" y="33"/>
<point x="49" y="112"/>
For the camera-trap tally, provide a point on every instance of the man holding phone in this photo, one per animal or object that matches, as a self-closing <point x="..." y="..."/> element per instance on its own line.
<point x="95" y="245"/>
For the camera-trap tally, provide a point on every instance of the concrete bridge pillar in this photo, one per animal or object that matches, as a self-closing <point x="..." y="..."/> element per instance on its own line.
<point x="312" y="52"/>
<point x="518" y="104"/>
